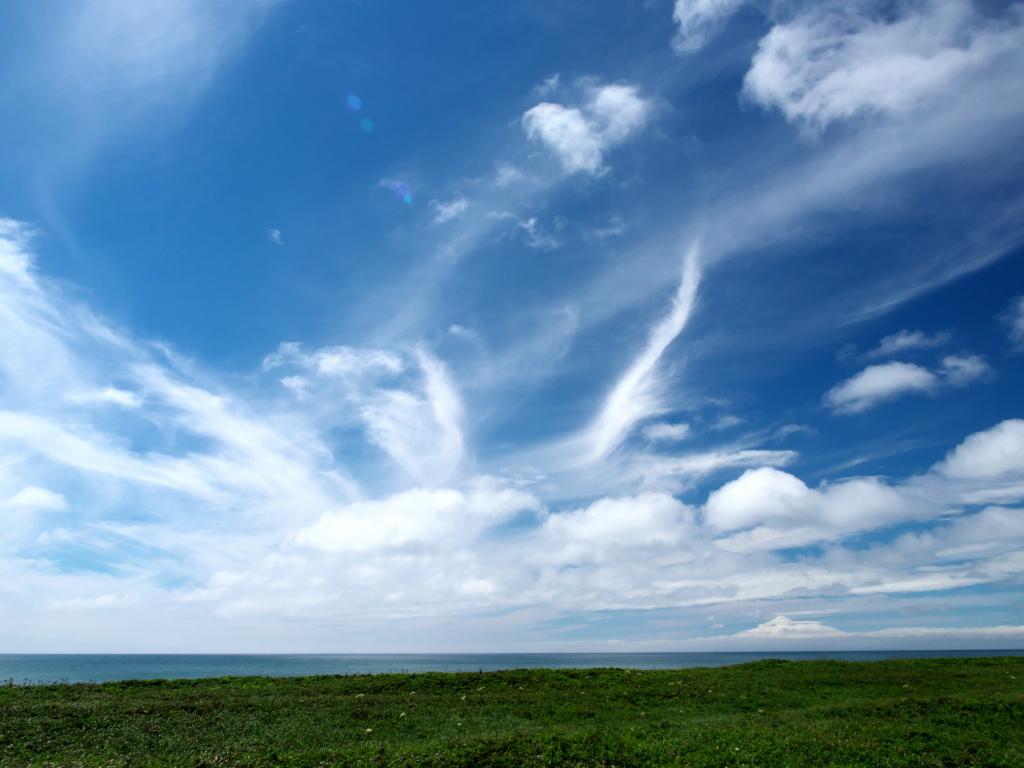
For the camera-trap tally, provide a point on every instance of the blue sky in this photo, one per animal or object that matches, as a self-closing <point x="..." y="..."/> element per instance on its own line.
<point x="605" y="325"/>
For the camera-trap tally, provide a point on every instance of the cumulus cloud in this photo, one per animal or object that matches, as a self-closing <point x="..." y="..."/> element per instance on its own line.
<point x="877" y="384"/>
<point x="612" y="527"/>
<point x="783" y="512"/>
<point x="239" y="495"/>
<point x="827" y="64"/>
<point x="580" y="136"/>
<point x="442" y="517"/>
<point x="907" y="340"/>
<point x="993" y="453"/>
<point x="880" y="383"/>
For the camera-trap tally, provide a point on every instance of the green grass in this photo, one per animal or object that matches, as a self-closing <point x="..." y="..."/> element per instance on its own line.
<point x="936" y="712"/>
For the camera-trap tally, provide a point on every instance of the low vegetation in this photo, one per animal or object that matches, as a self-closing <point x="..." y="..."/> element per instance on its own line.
<point x="936" y="712"/>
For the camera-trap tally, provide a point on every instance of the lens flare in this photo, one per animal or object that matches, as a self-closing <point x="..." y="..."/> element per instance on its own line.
<point x="367" y="124"/>
<point x="402" y="191"/>
<point x="354" y="102"/>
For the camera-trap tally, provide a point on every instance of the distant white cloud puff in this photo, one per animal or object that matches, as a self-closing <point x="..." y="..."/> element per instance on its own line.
<point x="580" y="137"/>
<point x="275" y="236"/>
<point x="961" y="370"/>
<point x="450" y="210"/>
<point x="1014" y="320"/>
<point x="826" y="65"/>
<point x="537" y="236"/>
<point x="36" y="500"/>
<point x="508" y="174"/>
<point x="878" y="383"/>
<point x="994" y="452"/>
<point x="667" y="432"/>
<point x="906" y="340"/>
<point x="724" y="422"/>
<point x="105" y="396"/>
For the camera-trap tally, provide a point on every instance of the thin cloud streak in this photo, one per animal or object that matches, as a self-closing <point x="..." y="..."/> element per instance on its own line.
<point x="635" y="396"/>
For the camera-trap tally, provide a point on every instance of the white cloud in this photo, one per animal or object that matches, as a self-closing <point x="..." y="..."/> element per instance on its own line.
<point x="453" y="209"/>
<point x="508" y="174"/>
<point x="127" y="55"/>
<point x="962" y="370"/>
<point x="336" y="362"/>
<point x="35" y="499"/>
<point x="635" y="396"/>
<point x="442" y="517"/>
<point x="878" y="383"/>
<point x="421" y="431"/>
<point x="904" y="340"/>
<point x="783" y="627"/>
<point x="655" y="469"/>
<point x="825" y="65"/>
<point x="990" y="454"/>
<point x="699" y="20"/>
<point x="537" y="236"/>
<point x="667" y="432"/>
<point x="550" y="85"/>
<point x="275" y="236"/>
<point x="610" y="527"/>
<point x="727" y="421"/>
<point x="107" y="396"/>
<point x="1014" y="321"/>
<point x="580" y="137"/>
<point x="243" y="493"/>
<point x="784" y="512"/>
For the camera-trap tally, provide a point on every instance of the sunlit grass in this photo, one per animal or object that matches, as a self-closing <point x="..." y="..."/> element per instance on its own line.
<point x="938" y="712"/>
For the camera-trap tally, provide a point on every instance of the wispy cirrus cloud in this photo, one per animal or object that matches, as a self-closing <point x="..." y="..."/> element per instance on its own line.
<point x="635" y="396"/>
<point x="700" y="20"/>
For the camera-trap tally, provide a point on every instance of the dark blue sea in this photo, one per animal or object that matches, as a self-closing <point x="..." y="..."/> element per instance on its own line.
<point x="28" y="669"/>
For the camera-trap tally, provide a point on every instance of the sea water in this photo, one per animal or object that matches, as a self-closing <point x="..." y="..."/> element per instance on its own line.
<point x="29" y="669"/>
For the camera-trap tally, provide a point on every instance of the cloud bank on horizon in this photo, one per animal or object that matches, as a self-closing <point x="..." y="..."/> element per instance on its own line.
<point x="659" y="348"/>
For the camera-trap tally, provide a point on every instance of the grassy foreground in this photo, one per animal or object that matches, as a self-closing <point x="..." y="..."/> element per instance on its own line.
<point x="936" y="712"/>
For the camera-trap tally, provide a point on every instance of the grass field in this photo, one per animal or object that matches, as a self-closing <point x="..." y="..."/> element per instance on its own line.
<point x="936" y="712"/>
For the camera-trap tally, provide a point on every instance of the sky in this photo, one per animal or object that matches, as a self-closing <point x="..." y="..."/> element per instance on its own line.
<point x="597" y="325"/>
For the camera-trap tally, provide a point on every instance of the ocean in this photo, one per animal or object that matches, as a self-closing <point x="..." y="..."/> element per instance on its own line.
<point x="33" y="669"/>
